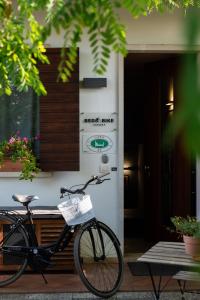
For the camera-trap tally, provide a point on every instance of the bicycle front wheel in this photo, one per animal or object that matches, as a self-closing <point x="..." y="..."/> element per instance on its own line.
<point x="12" y="261"/>
<point x="98" y="259"/>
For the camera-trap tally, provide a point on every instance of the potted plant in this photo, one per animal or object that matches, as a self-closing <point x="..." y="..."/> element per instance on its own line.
<point x="18" y="150"/>
<point x="189" y="229"/>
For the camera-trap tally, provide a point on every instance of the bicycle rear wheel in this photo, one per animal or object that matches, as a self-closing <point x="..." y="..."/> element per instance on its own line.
<point x="12" y="239"/>
<point x="98" y="259"/>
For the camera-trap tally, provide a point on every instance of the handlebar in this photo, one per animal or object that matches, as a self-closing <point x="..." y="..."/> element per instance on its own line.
<point x="64" y="190"/>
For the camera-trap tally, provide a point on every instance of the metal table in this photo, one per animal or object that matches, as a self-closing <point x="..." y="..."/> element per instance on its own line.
<point x="166" y="253"/>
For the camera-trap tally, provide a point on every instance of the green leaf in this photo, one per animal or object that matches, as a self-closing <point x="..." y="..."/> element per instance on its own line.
<point x="8" y="91"/>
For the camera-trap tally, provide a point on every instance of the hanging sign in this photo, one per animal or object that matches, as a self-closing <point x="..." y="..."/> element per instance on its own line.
<point x="98" y="122"/>
<point x="99" y="143"/>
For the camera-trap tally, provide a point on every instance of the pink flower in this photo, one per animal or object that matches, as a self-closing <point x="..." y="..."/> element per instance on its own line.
<point x="25" y="139"/>
<point x="12" y="140"/>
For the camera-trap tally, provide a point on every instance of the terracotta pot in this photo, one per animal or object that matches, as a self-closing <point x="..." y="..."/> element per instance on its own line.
<point x="192" y="246"/>
<point x="10" y="166"/>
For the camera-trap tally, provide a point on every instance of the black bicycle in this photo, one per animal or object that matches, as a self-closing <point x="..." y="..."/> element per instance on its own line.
<point x="97" y="255"/>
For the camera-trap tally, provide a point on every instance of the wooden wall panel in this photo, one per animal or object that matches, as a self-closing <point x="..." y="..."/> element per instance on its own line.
<point x="59" y="118"/>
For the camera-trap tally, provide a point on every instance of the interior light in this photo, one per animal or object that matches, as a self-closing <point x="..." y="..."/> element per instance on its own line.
<point x="170" y="103"/>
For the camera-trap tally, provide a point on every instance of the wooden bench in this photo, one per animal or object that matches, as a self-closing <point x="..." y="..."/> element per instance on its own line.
<point x="182" y="277"/>
<point x="48" y="223"/>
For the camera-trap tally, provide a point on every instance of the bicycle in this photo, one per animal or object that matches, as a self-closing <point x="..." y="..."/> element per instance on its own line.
<point x="97" y="254"/>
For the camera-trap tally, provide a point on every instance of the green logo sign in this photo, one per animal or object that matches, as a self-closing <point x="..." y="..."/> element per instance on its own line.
<point x="99" y="143"/>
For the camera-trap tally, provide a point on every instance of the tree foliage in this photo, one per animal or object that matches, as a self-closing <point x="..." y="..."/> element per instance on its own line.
<point x="187" y="117"/>
<point x="22" y="36"/>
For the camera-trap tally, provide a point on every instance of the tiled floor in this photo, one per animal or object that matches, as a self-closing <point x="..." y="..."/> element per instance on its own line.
<point x="67" y="283"/>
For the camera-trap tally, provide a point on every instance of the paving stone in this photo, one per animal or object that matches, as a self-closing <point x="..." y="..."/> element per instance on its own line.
<point x="88" y="296"/>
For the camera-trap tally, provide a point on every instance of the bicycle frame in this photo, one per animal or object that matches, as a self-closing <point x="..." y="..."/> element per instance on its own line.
<point x="59" y="245"/>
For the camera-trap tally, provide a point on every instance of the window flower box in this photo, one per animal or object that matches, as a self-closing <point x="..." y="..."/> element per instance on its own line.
<point x="16" y="155"/>
<point x="11" y="166"/>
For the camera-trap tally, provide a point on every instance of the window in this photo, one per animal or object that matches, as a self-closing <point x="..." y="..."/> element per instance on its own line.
<point x="20" y="113"/>
<point x="55" y="117"/>
<point x="18" y="110"/>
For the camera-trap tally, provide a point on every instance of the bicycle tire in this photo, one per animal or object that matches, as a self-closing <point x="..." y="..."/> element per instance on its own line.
<point x="94" y="272"/>
<point x="12" y="265"/>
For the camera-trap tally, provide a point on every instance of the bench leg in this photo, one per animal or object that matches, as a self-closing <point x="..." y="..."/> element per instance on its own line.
<point x="157" y="290"/>
<point x="182" y="284"/>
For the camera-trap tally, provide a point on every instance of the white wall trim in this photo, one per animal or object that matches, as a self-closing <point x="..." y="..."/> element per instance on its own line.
<point x="159" y="48"/>
<point x="120" y="84"/>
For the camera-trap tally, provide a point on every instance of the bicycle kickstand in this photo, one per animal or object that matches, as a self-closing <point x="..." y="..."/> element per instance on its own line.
<point x="45" y="280"/>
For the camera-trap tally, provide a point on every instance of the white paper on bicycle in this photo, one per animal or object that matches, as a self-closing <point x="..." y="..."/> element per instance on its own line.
<point x="77" y="210"/>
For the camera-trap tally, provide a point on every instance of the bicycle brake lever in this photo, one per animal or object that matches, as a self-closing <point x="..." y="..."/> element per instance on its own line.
<point x="99" y="181"/>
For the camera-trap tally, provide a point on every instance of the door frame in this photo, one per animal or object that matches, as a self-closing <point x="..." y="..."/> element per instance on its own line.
<point x="142" y="48"/>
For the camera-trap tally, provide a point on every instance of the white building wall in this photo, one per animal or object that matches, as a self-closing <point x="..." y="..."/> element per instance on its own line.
<point x="154" y="30"/>
<point x="104" y="196"/>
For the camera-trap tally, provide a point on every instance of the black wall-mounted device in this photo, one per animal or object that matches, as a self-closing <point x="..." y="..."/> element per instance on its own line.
<point x="94" y="82"/>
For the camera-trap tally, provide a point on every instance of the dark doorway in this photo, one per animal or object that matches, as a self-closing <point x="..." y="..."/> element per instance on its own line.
<point x="159" y="181"/>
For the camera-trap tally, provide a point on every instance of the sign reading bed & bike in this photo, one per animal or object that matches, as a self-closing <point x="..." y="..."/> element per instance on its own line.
<point x="98" y="122"/>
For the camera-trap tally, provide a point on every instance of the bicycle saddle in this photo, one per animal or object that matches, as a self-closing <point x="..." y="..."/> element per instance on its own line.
<point x="24" y="198"/>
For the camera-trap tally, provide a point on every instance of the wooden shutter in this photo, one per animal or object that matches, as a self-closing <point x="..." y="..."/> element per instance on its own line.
<point x="59" y="118"/>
